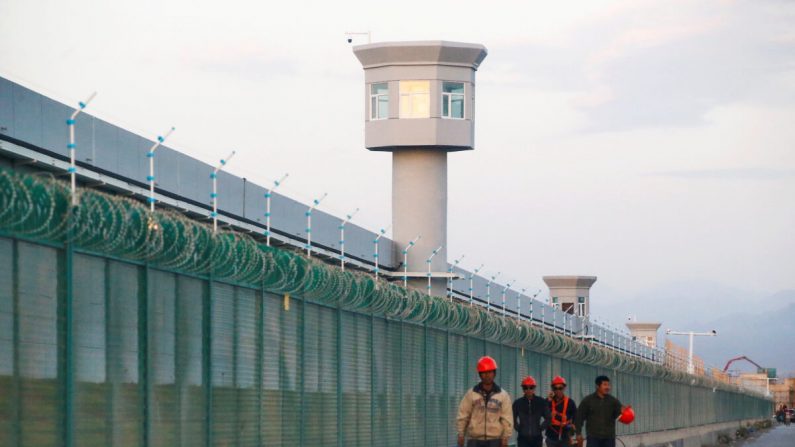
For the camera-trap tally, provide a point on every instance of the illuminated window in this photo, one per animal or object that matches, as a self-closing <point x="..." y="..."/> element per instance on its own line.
<point x="415" y="99"/>
<point x="379" y="101"/>
<point x="453" y="100"/>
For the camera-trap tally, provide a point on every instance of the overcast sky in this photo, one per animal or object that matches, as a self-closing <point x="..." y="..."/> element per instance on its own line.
<point x="644" y="142"/>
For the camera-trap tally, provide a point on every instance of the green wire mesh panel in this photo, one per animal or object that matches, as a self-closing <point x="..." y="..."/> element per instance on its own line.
<point x="164" y="409"/>
<point x="459" y="379"/>
<point x="39" y="325"/>
<point x="7" y="364"/>
<point x="320" y="380"/>
<point x="412" y="387"/>
<point x="123" y="354"/>
<point x="387" y="341"/>
<point x="92" y="391"/>
<point x="355" y="369"/>
<point x="190" y="363"/>
<point x="291" y="374"/>
<point x="123" y="327"/>
<point x="224" y="393"/>
<point x="437" y="414"/>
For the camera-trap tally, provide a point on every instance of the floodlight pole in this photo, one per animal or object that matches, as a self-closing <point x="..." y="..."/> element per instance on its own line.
<point x="488" y="290"/>
<point x="268" y="196"/>
<point x="502" y="298"/>
<point x="428" y="261"/>
<point x="471" y="283"/>
<point x="72" y="146"/>
<point x="690" y="367"/>
<point x="375" y="252"/>
<point x="214" y="194"/>
<point x="342" y="237"/>
<point x="450" y="279"/>
<point x="315" y="204"/>
<point x="151" y="177"/>
<point x="406" y="260"/>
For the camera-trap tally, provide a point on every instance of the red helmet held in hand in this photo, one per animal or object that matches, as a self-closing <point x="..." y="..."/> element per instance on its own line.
<point x="627" y="416"/>
<point x="486" y="364"/>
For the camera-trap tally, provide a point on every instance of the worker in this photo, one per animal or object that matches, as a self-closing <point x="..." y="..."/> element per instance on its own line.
<point x="562" y="413"/>
<point x="485" y="415"/>
<point x="528" y="411"/>
<point x="597" y="414"/>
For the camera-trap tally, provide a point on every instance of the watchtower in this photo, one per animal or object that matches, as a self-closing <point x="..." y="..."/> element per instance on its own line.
<point x="420" y="105"/>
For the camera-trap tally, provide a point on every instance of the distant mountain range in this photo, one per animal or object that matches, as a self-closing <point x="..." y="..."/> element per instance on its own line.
<point x="760" y="326"/>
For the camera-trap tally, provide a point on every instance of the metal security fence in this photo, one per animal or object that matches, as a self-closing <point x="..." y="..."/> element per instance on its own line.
<point x="120" y="327"/>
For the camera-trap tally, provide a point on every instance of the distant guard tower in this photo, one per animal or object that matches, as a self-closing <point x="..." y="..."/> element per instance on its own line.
<point x="570" y="293"/>
<point x="420" y="105"/>
<point x="645" y="333"/>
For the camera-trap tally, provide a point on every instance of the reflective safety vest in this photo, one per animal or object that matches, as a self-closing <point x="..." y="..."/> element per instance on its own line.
<point x="559" y="421"/>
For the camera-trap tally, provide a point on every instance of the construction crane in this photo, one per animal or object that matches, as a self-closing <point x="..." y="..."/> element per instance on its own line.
<point x="742" y="357"/>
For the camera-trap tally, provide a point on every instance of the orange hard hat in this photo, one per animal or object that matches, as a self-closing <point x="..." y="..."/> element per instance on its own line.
<point x="627" y="416"/>
<point x="558" y="381"/>
<point x="486" y="364"/>
<point x="529" y="381"/>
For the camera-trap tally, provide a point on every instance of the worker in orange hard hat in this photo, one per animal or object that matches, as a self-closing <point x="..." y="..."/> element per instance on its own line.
<point x="485" y="416"/>
<point x="528" y="411"/>
<point x="598" y="413"/>
<point x="562" y="410"/>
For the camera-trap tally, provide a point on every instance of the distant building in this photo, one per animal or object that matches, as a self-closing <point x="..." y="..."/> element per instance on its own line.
<point x="783" y="392"/>
<point x="676" y="358"/>
<point x="570" y="293"/>
<point x="757" y="380"/>
<point x="645" y="333"/>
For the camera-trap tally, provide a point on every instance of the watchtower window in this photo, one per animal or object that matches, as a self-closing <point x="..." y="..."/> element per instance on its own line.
<point x="453" y="100"/>
<point x="379" y="101"/>
<point x="415" y="99"/>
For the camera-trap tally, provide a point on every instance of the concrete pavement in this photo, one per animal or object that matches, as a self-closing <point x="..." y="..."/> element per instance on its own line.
<point x="779" y="436"/>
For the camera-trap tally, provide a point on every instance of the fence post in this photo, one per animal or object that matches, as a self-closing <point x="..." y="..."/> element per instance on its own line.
<point x="69" y="420"/>
<point x="207" y="361"/>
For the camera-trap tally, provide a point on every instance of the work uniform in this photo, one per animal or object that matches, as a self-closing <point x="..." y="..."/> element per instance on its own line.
<point x="485" y="417"/>
<point x="562" y="415"/>
<point x="527" y="415"/>
<point x="598" y="416"/>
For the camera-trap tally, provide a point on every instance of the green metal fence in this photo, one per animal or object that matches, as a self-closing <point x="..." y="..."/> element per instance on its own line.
<point x="119" y="327"/>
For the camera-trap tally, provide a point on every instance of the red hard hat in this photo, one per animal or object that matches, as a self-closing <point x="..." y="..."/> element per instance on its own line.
<point x="558" y="381"/>
<point x="627" y="416"/>
<point x="486" y="363"/>
<point x="529" y="381"/>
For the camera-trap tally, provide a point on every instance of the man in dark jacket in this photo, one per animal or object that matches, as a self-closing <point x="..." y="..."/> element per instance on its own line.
<point x="562" y="412"/>
<point x="598" y="413"/>
<point x="527" y="414"/>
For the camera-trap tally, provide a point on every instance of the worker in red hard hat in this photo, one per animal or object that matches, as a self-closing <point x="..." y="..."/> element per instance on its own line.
<point x="598" y="413"/>
<point x="485" y="416"/>
<point x="528" y="411"/>
<point x="562" y="410"/>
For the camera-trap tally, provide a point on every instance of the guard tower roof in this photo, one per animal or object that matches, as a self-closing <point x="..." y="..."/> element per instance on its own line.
<point x="427" y="52"/>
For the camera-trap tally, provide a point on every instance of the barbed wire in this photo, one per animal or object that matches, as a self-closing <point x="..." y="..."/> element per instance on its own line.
<point x="38" y="207"/>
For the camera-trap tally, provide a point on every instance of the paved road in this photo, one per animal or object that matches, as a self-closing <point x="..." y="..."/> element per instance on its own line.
<point x="781" y="436"/>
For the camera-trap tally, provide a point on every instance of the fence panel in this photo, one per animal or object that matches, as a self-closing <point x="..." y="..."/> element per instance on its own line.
<point x="283" y="371"/>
